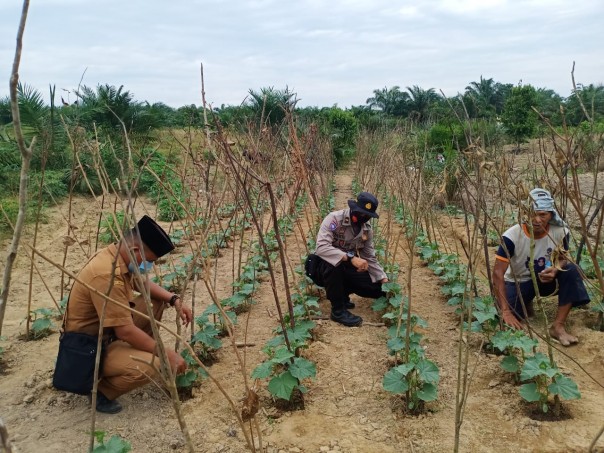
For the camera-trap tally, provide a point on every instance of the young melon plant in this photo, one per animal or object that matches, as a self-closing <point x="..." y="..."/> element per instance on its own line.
<point x="42" y="324"/>
<point x="547" y="380"/>
<point x="284" y="369"/>
<point x="115" y="444"/>
<point x="416" y="377"/>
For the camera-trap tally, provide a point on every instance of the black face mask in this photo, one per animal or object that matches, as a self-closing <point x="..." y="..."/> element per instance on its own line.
<point x="360" y="218"/>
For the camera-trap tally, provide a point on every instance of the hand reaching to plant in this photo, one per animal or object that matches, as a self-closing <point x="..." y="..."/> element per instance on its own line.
<point x="511" y="320"/>
<point x="177" y="363"/>
<point x="185" y="312"/>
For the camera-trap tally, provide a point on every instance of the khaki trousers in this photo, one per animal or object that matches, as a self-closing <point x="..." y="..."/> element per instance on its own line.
<point x="121" y="372"/>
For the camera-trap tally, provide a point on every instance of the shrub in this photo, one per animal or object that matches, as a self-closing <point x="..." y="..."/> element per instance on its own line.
<point x="10" y="206"/>
<point x="53" y="188"/>
<point x="341" y="126"/>
<point x="443" y="137"/>
<point x="111" y="226"/>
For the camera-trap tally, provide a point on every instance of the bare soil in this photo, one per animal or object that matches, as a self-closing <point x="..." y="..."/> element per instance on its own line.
<point x="346" y="408"/>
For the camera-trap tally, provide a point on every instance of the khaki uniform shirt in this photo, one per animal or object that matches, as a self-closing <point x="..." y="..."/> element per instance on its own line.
<point x="85" y="306"/>
<point x="336" y="237"/>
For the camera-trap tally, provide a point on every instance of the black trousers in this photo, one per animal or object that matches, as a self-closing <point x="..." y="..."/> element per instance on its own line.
<point x="570" y="286"/>
<point x="343" y="280"/>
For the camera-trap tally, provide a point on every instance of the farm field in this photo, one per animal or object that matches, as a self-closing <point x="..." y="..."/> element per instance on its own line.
<point x="346" y="408"/>
<point x="439" y="364"/>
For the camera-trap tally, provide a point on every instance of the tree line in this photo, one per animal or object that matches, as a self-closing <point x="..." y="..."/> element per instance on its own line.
<point x="112" y="117"/>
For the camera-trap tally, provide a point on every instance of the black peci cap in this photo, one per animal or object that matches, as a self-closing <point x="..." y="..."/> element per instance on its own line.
<point x="154" y="236"/>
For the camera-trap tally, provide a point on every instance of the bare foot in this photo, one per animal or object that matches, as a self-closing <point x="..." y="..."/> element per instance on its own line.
<point x="559" y="333"/>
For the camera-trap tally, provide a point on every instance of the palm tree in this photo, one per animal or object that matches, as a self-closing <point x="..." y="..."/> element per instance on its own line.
<point x="548" y="104"/>
<point x="41" y="121"/>
<point x="6" y="116"/>
<point x="420" y="102"/>
<point x="391" y="101"/>
<point x="107" y="107"/>
<point x="269" y="105"/>
<point x="592" y="97"/>
<point x="484" y="97"/>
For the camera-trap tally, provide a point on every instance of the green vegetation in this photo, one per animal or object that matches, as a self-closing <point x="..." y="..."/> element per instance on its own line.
<point x="518" y="117"/>
<point x="42" y="324"/>
<point x="104" y="114"/>
<point x="115" y="444"/>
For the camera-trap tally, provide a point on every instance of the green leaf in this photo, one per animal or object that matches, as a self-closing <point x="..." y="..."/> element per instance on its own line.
<point x="522" y="341"/>
<point x="437" y="269"/>
<point x="454" y="301"/>
<point x="282" y="355"/>
<point x="234" y="301"/>
<point x="208" y="337"/>
<point x="379" y="304"/>
<point x="211" y="310"/>
<point x="115" y="445"/>
<point x="41" y="325"/>
<point x="43" y="312"/>
<point x="186" y="379"/>
<point x="298" y="334"/>
<point x="274" y="342"/>
<point x="420" y="322"/>
<point x="404" y="368"/>
<point x="474" y="327"/>
<point x="428" y="253"/>
<point x="534" y="366"/>
<point x="263" y="370"/>
<point x="530" y="392"/>
<point x="428" y="371"/>
<point x="458" y="289"/>
<point x="391" y="287"/>
<point x="565" y="387"/>
<point x="395" y="382"/>
<point x="395" y="344"/>
<point x="510" y="363"/>
<point x="282" y="386"/>
<point x="429" y="392"/>
<point x="303" y="368"/>
<point x="482" y="316"/>
<point x="501" y="340"/>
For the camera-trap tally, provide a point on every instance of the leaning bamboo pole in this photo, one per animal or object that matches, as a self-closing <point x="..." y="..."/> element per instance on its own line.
<point x="26" y="155"/>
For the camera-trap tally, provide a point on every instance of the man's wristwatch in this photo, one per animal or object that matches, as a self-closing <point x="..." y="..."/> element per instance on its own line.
<point x="350" y="254"/>
<point x="172" y="300"/>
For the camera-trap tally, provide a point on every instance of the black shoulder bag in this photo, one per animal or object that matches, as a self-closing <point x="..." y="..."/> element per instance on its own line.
<point x="74" y="370"/>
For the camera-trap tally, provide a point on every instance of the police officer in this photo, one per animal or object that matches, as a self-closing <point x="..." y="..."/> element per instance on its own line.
<point x="349" y="265"/>
<point x="111" y="271"/>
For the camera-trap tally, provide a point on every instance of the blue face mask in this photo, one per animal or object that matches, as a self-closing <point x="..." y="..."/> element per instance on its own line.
<point x="143" y="267"/>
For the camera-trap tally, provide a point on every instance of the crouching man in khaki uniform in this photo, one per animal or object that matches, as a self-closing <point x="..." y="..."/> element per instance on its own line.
<point x="349" y="265"/>
<point x="112" y="272"/>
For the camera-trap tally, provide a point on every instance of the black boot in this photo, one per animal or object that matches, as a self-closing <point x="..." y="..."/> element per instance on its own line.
<point x="349" y="305"/>
<point x="346" y="318"/>
<point x="105" y="405"/>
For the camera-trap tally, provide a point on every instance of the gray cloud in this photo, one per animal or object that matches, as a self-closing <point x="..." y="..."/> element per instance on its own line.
<point x="333" y="52"/>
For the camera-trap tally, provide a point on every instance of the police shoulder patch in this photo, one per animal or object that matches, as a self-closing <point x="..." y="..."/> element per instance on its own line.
<point x="333" y="225"/>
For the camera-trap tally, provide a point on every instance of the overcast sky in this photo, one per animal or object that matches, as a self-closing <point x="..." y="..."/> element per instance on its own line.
<point x="328" y="52"/>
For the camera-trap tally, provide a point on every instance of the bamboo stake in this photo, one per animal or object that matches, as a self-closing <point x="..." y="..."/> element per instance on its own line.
<point x="26" y="155"/>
